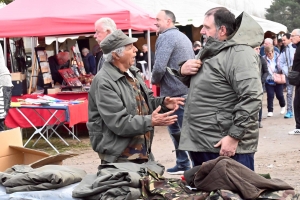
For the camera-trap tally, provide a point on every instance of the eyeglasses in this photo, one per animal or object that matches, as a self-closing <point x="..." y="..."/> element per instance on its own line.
<point x="294" y="35"/>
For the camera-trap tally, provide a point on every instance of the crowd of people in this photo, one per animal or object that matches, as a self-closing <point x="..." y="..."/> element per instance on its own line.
<point x="210" y="91"/>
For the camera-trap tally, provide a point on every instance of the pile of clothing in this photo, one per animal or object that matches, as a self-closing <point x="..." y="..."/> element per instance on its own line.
<point x="221" y="178"/>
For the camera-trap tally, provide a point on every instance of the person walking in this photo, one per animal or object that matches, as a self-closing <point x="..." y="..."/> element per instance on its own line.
<point x="295" y="38"/>
<point x="273" y="62"/>
<point x="286" y="63"/>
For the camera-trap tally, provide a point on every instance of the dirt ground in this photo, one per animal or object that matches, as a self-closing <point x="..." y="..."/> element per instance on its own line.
<point x="278" y="153"/>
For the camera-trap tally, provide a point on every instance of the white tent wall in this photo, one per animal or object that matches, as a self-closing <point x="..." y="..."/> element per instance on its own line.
<point x="256" y="8"/>
<point x="191" y="12"/>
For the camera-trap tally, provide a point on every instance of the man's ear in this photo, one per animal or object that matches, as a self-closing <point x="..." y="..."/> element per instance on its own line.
<point x="115" y="56"/>
<point x="223" y="30"/>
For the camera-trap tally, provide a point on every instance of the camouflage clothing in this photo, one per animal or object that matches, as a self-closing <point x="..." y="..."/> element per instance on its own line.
<point x="138" y="148"/>
<point x="156" y="187"/>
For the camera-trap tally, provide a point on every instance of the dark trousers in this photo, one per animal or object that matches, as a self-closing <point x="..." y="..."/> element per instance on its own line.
<point x="260" y="115"/>
<point x="274" y="89"/>
<point x="297" y="107"/>
<point x="246" y="159"/>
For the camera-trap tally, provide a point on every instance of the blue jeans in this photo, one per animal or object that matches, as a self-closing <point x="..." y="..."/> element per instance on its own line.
<point x="246" y="159"/>
<point x="274" y="89"/>
<point x="182" y="159"/>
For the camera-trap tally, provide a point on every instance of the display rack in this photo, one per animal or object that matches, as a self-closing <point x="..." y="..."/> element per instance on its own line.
<point x="44" y="67"/>
<point x="78" y="59"/>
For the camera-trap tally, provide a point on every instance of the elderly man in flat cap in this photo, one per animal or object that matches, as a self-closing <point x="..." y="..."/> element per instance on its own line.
<point x="122" y="110"/>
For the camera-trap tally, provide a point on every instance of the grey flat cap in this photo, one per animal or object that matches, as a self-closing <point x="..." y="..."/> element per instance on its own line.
<point x="115" y="40"/>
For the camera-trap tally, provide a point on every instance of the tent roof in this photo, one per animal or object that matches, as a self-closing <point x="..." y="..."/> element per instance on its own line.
<point x="57" y="17"/>
<point x="194" y="11"/>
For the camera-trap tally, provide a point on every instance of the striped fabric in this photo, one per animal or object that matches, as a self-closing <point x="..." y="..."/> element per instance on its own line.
<point x="2" y="110"/>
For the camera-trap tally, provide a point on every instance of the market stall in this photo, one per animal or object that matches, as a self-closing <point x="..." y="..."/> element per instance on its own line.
<point x="51" y="18"/>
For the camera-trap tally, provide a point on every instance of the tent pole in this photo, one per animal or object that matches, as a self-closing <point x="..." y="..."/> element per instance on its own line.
<point x="129" y="32"/>
<point x="149" y="58"/>
<point x="56" y="45"/>
<point x="5" y="53"/>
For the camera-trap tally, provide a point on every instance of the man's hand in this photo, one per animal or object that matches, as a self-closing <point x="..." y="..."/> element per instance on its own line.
<point x="190" y="67"/>
<point x="228" y="146"/>
<point x="173" y="103"/>
<point x="164" y="119"/>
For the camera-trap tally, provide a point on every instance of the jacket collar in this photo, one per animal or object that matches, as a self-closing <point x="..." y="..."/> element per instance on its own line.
<point x="169" y="29"/>
<point x="115" y="73"/>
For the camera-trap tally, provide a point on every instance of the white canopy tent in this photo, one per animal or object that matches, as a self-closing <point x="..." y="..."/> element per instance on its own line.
<point x="191" y="12"/>
<point x="256" y="8"/>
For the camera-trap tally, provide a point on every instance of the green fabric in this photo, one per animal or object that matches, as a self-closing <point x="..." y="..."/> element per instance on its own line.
<point x="225" y="95"/>
<point x="156" y="187"/>
<point x="112" y="108"/>
<point x="43" y="178"/>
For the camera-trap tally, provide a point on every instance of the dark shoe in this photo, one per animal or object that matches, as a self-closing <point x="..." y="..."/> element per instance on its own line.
<point x="260" y="125"/>
<point x="177" y="171"/>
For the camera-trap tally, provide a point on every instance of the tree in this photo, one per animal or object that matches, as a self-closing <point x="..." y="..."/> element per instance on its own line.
<point x="6" y="1"/>
<point x="285" y="12"/>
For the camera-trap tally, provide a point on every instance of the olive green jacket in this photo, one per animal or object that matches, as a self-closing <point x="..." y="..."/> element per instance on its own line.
<point x="112" y="120"/>
<point x="225" y="95"/>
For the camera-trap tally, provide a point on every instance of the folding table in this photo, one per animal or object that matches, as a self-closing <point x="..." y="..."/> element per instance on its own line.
<point x="59" y="121"/>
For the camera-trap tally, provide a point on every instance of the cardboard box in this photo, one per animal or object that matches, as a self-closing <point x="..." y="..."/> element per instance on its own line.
<point x="13" y="153"/>
<point x="18" y="76"/>
<point x="53" y="90"/>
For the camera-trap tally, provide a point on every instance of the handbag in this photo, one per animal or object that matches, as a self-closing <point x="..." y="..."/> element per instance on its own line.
<point x="294" y="78"/>
<point x="279" y="78"/>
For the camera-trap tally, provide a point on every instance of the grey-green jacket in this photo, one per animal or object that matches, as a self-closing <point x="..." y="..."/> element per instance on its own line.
<point x="225" y="95"/>
<point x="112" y="109"/>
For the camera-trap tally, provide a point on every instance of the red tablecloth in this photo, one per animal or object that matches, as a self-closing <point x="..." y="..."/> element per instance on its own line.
<point x="67" y="96"/>
<point x="78" y="113"/>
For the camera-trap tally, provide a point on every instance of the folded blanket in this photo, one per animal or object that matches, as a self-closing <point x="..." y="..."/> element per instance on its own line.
<point x="43" y="178"/>
<point x="109" y="183"/>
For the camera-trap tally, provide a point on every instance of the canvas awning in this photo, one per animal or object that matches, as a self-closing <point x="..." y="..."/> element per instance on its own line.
<point x="45" y="18"/>
<point x="191" y="12"/>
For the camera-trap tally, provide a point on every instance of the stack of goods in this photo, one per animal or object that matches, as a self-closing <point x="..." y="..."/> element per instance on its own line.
<point x="70" y="77"/>
<point x="44" y="66"/>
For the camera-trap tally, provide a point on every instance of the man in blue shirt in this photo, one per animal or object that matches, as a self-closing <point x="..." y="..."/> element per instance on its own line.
<point x="286" y="63"/>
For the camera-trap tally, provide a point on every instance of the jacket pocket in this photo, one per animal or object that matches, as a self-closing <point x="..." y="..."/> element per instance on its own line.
<point x="224" y="120"/>
<point x="95" y="133"/>
<point x="96" y="138"/>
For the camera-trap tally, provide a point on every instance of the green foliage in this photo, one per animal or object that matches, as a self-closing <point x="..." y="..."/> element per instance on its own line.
<point x="285" y="12"/>
<point x="6" y="1"/>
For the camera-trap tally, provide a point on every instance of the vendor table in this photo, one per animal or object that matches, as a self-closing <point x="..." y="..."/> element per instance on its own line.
<point x="54" y="115"/>
<point x="14" y="118"/>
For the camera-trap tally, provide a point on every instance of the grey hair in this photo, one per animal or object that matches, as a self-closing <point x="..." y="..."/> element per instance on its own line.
<point x="269" y="40"/>
<point x="145" y="45"/>
<point x="119" y="51"/>
<point x="297" y="31"/>
<point x="107" y="24"/>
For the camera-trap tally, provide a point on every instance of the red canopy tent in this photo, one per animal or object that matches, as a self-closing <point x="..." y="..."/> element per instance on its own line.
<point x="57" y="17"/>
